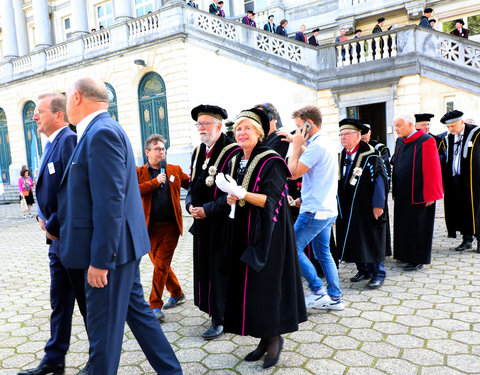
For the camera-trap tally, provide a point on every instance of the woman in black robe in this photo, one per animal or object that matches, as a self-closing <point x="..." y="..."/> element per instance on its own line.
<point x="265" y="294"/>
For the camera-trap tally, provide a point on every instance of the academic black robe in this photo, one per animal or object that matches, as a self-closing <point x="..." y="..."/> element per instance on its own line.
<point x="462" y="198"/>
<point x="269" y="27"/>
<point x="214" y="9"/>
<point x="265" y="291"/>
<point x="463" y="33"/>
<point x="416" y="180"/>
<point x="274" y="141"/>
<point x="313" y="41"/>
<point x="360" y="237"/>
<point x="209" y="235"/>
<point x="441" y="147"/>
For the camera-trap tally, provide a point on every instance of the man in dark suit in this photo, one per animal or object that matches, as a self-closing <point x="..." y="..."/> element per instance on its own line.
<point x="103" y="232"/>
<point x="300" y="35"/>
<point x="66" y="285"/>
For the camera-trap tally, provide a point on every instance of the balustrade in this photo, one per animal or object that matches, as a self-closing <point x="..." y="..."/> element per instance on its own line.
<point x="360" y="50"/>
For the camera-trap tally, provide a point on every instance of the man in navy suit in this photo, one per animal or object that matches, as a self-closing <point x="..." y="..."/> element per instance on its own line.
<point x="103" y="232"/>
<point x="66" y="284"/>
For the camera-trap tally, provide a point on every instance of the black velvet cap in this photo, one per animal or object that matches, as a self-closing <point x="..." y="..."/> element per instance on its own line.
<point x="460" y="21"/>
<point x="381" y="19"/>
<point x="354" y="124"/>
<point x="452" y="116"/>
<point x="316" y="30"/>
<point x="366" y="123"/>
<point x="256" y="115"/>
<point x="419" y="117"/>
<point x="211" y="110"/>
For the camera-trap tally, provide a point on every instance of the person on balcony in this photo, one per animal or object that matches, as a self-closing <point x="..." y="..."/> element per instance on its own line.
<point x="214" y="8"/>
<point x="432" y="21"/>
<point x="192" y="4"/>
<point x="300" y="35"/>
<point x="427" y="13"/>
<point x="313" y="39"/>
<point x="281" y="30"/>
<point x="342" y="38"/>
<point x="221" y="13"/>
<point x="460" y="30"/>
<point x="249" y="19"/>
<point x="270" y="25"/>
<point x="378" y="29"/>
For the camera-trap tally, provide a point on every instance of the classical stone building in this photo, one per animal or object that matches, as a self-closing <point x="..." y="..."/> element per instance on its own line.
<point x="161" y="58"/>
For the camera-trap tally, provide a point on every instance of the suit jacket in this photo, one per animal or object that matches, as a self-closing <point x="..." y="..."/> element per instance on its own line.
<point x="281" y="31"/>
<point x="49" y="179"/>
<point x="99" y="205"/>
<point x="301" y="37"/>
<point x="147" y="186"/>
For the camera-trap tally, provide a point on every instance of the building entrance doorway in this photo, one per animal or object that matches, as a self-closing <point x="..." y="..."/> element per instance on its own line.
<point x="376" y="115"/>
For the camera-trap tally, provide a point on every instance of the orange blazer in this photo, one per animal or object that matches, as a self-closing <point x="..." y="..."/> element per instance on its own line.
<point x="147" y="185"/>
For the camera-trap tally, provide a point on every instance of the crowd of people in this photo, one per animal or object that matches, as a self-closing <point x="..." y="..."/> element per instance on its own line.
<point x="256" y="215"/>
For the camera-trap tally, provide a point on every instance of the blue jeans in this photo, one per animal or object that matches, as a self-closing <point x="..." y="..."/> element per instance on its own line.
<point x="308" y="229"/>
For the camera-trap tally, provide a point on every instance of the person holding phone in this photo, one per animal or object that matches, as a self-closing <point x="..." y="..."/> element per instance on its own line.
<point x="314" y="157"/>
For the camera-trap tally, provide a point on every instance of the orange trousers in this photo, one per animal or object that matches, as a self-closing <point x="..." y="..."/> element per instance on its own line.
<point x="163" y="240"/>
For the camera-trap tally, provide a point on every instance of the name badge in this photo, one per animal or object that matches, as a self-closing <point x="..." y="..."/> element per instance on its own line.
<point x="470" y="144"/>
<point x="172" y="178"/>
<point x="51" y="168"/>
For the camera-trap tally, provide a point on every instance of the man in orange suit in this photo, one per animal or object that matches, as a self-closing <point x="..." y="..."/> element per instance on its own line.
<point x="160" y="185"/>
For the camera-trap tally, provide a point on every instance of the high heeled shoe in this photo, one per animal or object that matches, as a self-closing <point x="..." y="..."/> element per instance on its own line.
<point x="258" y="353"/>
<point x="269" y="362"/>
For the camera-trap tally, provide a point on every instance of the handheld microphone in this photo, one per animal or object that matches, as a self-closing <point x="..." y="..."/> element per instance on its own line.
<point x="163" y="166"/>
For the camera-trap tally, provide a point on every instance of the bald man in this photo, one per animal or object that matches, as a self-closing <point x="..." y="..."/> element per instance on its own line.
<point x="103" y="232"/>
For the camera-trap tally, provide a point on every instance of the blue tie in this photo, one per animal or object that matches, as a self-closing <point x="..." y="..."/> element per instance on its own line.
<point x="45" y="151"/>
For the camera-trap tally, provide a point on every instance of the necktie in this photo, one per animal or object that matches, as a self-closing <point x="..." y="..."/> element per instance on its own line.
<point x="457" y="149"/>
<point x="45" y="151"/>
<point x="347" y="163"/>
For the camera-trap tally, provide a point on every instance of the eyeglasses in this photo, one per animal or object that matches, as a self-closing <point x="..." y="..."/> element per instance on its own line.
<point x="204" y="124"/>
<point x="346" y="133"/>
<point x="158" y="149"/>
<point x="39" y="113"/>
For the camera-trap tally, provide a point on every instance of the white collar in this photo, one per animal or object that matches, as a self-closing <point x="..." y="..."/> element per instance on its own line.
<point x="82" y="125"/>
<point x="52" y="136"/>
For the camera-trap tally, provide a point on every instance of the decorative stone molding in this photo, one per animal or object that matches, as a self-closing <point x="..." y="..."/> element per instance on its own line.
<point x="415" y="9"/>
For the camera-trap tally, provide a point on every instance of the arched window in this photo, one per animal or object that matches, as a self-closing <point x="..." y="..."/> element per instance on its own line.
<point x="32" y="138"/>
<point x="5" y="155"/>
<point x="152" y="101"/>
<point x="112" y="101"/>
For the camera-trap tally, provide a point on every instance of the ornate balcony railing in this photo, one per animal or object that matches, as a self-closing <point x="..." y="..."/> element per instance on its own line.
<point x="368" y="48"/>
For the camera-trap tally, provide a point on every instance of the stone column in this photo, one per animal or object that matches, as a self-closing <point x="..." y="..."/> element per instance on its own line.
<point x="10" y="48"/>
<point x="123" y="10"/>
<point x="79" y="20"/>
<point x="42" y="24"/>
<point x="21" y="23"/>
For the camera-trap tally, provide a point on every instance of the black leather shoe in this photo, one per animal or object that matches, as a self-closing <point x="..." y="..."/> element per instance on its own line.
<point x="374" y="284"/>
<point x="359" y="277"/>
<point x="464" y="246"/>
<point x="412" y="267"/>
<point x="213" y="332"/>
<point x="269" y="362"/>
<point x="84" y="371"/>
<point x="44" y="368"/>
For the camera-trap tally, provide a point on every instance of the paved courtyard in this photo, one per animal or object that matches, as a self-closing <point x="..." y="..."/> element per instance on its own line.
<point x="426" y="322"/>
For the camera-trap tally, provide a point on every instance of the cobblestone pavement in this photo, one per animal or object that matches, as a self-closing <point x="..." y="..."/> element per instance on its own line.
<point x="425" y="322"/>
